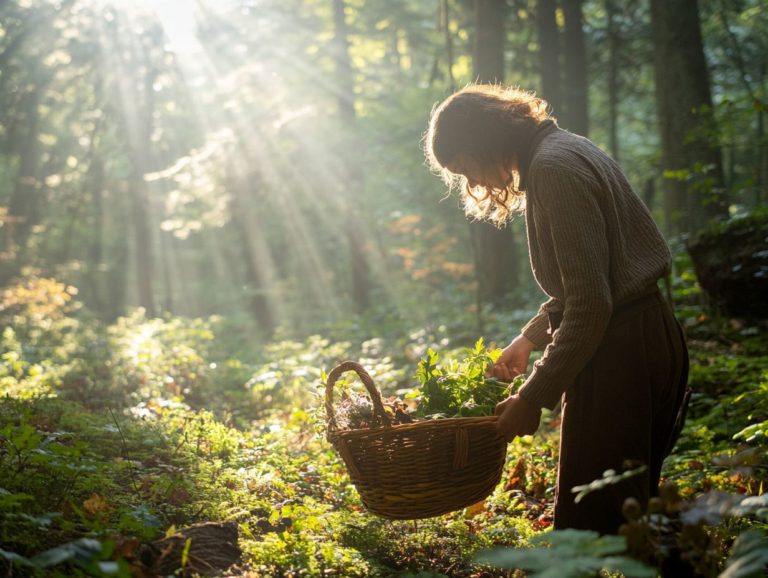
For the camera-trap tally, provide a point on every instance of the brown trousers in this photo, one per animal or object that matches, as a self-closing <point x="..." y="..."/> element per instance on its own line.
<point x="625" y="408"/>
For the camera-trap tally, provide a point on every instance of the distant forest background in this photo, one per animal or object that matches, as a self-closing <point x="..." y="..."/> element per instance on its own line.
<point x="262" y="160"/>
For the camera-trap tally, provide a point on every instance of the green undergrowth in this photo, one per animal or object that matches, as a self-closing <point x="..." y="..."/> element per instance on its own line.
<point x="115" y="436"/>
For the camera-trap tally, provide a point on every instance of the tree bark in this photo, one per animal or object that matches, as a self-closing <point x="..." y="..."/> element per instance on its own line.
<point x="495" y="255"/>
<point x="259" y="274"/>
<point x="490" y="20"/>
<point x="140" y="201"/>
<point x="95" y="252"/>
<point x="352" y="182"/>
<point x="445" y="23"/>
<point x="684" y="110"/>
<point x="24" y="207"/>
<point x="576" y="97"/>
<point x="614" y="46"/>
<point x="135" y="93"/>
<point x="762" y="143"/>
<point x="549" y="54"/>
<point x="761" y="166"/>
<point x="142" y="244"/>
<point x="117" y="273"/>
<point x="344" y="77"/>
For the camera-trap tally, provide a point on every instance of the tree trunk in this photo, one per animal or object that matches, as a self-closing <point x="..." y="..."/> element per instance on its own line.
<point x="117" y="274"/>
<point x="549" y="54"/>
<point x="445" y="23"/>
<point x="762" y="143"/>
<point x="576" y="97"/>
<point x="495" y="255"/>
<point x="684" y="110"/>
<point x="257" y="276"/>
<point x="353" y="180"/>
<point x="26" y="203"/>
<point x="761" y="193"/>
<point x="344" y="77"/>
<point x="614" y="46"/>
<point x="24" y="207"/>
<point x="135" y="93"/>
<point x="259" y="273"/>
<point x="96" y="178"/>
<point x="167" y="273"/>
<point x="142" y="244"/>
<point x="490" y="20"/>
<point x="762" y="160"/>
<point x="396" y="58"/>
<point x="746" y="80"/>
<point x="141" y="210"/>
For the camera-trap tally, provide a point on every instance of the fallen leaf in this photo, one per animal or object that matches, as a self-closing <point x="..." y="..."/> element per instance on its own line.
<point x="96" y="506"/>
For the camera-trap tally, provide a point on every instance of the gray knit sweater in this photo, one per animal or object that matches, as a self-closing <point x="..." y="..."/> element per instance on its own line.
<point x="593" y="246"/>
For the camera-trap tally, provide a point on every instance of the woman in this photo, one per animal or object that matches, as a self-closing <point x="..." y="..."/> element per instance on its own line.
<point x="612" y="349"/>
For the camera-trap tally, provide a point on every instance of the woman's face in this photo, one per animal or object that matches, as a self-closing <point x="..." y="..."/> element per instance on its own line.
<point x="491" y="177"/>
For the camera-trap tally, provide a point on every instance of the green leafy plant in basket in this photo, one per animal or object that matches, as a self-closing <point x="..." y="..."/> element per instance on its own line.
<point x="460" y="387"/>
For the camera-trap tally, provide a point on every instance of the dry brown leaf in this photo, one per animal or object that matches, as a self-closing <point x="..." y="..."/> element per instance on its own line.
<point x="96" y="506"/>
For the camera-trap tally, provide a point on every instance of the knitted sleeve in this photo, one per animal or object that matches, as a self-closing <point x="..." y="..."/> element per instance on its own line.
<point x="568" y="204"/>
<point x="537" y="329"/>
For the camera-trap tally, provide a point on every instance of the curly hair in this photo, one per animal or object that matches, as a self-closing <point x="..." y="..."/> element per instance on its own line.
<point x="490" y="124"/>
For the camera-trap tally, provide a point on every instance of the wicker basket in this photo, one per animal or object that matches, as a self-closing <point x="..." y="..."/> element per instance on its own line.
<point x="420" y="469"/>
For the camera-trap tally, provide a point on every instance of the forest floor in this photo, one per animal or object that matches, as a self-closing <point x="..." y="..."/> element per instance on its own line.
<point x="115" y="441"/>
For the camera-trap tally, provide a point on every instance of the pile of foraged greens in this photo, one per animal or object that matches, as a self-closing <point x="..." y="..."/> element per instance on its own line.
<point x="453" y="388"/>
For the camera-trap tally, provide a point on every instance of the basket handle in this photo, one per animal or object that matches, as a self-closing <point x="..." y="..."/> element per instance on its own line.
<point x="373" y="391"/>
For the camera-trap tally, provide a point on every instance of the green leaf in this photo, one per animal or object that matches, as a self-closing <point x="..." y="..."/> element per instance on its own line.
<point x="143" y="516"/>
<point x="43" y="520"/>
<point x="749" y="556"/>
<point x="609" y="478"/>
<point x="185" y="553"/>
<point x="541" y="563"/>
<point x="572" y="554"/>
<point x="16" y="559"/>
<point x="82" y="551"/>
<point x="10" y="500"/>
<point x="629" y="567"/>
<point x="753" y="505"/>
<point x="109" y="567"/>
<point x="678" y="175"/>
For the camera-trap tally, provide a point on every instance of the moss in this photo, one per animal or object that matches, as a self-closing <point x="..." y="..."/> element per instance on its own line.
<point x="755" y="221"/>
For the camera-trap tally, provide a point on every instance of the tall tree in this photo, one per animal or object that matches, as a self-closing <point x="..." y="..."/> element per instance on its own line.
<point x="445" y="25"/>
<point x="684" y="110"/>
<point x="490" y="20"/>
<point x="614" y="45"/>
<point x="140" y="154"/>
<point x="256" y="258"/>
<point x="576" y="94"/>
<point x="25" y="83"/>
<point x="495" y="255"/>
<point x="752" y="79"/>
<point x="361" y="276"/>
<point x="27" y="193"/>
<point x="549" y="54"/>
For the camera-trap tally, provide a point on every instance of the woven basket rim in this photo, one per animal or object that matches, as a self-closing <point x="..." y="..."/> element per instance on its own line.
<point x="436" y="423"/>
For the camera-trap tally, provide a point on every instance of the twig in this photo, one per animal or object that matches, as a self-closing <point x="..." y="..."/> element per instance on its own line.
<point x="126" y="455"/>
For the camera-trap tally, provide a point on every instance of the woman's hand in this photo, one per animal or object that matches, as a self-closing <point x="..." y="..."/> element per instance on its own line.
<point x="517" y="417"/>
<point x="514" y="359"/>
